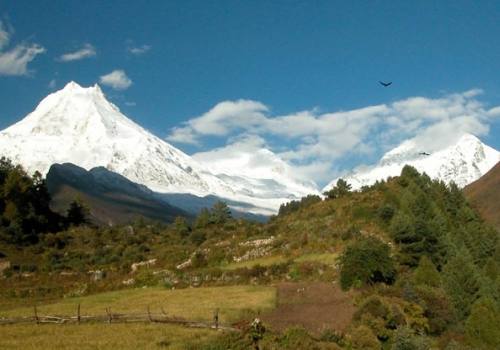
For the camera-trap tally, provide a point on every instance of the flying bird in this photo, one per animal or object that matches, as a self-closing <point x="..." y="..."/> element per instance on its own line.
<point x="424" y="154"/>
<point x="385" y="84"/>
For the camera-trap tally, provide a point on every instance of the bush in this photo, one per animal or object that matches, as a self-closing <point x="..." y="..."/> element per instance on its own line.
<point x="368" y="261"/>
<point x="405" y="339"/>
<point x="362" y="338"/>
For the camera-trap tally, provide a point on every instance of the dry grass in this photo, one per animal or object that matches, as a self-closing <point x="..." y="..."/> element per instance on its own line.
<point x="264" y="261"/>
<point x="94" y="336"/>
<point x="324" y="258"/>
<point x="191" y="303"/>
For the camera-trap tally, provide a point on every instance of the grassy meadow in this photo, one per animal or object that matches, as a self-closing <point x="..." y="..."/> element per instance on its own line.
<point x="191" y="303"/>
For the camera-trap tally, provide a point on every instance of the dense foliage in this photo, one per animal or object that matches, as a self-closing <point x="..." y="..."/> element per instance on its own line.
<point x="423" y="266"/>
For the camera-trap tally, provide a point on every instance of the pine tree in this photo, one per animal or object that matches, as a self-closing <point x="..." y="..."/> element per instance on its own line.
<point x="203" y="218"/>
<point x="461" y="282"/>
<point x="341" y="189"/>
<point x="482" y="327"/>
<point x="181" y="226"/>
<point x="220" y="213"/>
<point x="78" y="213"/>
<point x="426" y="273"/>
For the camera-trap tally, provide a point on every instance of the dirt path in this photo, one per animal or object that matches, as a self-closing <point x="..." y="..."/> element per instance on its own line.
<point x="314" y="306"/>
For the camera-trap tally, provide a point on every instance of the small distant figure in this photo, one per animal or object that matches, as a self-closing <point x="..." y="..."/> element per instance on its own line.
<point x="424" y="154"/>
<point x="257" y="331"/>
<point x="385" y="84"/>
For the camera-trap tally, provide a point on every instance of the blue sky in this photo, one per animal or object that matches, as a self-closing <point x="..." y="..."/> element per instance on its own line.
<point x="175" y="62"/>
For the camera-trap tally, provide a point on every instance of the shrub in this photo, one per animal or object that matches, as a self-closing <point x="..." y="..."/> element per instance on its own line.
<point x="406" y="339"/>
<point x="367" y="260"/>
<point x="362" y="338"/>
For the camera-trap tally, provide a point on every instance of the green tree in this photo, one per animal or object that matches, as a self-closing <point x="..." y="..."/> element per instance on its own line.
<point x="181" y="226"/>
<point x="426" y="273"/>
<point x="341" y="189"/>
<point x="203" y="218"/>
<point x="77" y="213"/>
<point x="367" y="260"/>
<point x="220" y="213"/>
<point x="461" y="282"/>
<point x="482" y="327"/>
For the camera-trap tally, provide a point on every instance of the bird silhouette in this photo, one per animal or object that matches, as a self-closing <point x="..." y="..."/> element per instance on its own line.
<point x="385" y="84"/>
<point x="424" y="154"/>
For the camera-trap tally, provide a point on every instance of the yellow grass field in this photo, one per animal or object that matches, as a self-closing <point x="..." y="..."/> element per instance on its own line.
<point x="100" y="336"/>
<point x="191" y="303"/>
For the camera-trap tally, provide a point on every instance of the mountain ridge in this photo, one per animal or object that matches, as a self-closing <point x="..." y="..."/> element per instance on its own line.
<point x="79" y="125"/>
<point x="462" y="162"/>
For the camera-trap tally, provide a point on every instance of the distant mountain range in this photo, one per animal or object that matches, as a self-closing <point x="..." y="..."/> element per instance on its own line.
<point x="112" y="198"/>
<point x="111" y="154"/>
<point x="462" y="162"/>
<point x="484" y="194"/>
<point x="80" y="126"/>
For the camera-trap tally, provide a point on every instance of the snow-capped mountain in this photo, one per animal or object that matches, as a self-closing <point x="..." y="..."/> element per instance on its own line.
<point x="79" y="125"/>
<point x="256" y="171"/>
<point x="463" y="162"/>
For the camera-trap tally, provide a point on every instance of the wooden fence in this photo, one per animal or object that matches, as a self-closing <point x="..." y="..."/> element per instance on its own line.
<point x="110" y="317"/>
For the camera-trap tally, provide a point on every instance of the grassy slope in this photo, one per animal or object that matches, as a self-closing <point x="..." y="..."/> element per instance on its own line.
<point x="192" y="303"/>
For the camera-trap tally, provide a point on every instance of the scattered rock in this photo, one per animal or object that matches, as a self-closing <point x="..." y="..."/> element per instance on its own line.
<point x="148" y="263"/>
<point x="128" y="282"/>
<point x="184" y="265"/>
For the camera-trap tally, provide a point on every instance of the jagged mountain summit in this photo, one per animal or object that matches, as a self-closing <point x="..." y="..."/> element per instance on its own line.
<point x="463" y="162"/>
<point x="79" y="125"/>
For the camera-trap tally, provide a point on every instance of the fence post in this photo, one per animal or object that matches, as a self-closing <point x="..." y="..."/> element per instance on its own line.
<point x="78" y="314"/>
<point x="108" y="311"/>
<point x="149" y="315"/>
<point x="36" y="315"/>
<point x="216" y="318"/>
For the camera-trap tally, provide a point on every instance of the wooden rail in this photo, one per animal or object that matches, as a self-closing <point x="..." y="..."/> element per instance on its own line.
<point x="111" y="317"/>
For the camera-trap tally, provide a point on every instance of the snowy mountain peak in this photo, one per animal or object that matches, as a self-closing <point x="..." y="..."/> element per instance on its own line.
<point x="411" y="150"/>
<point x="463" y="161"/>
<point x="79" y="125"/>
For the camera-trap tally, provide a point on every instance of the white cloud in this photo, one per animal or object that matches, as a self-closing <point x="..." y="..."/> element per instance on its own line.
<point x="4" y="36"/>
<point x="314" y="142"/>
<point x="52" y="84"/>
<point x="139" y="50"/>
<point x="117" y="79"/>
<point x="130" y="103"/>
<point x="15" y="61"/>
<point x="88" y="50"/>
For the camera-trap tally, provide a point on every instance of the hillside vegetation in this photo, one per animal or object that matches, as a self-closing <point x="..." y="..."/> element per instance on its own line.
<point x="484" y="195"/>
<point x="417" y="264"/>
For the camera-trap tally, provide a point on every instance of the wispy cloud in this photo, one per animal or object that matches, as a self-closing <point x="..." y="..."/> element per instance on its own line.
<point x="313" y="139"/>
<point x="15" y="61"/>
<point x="117" y="79"/>
<point x="86" y="51"/>
<point x="4" y="35"/>
<point x="139" y="50"/>
<point x="52" y="84"/>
